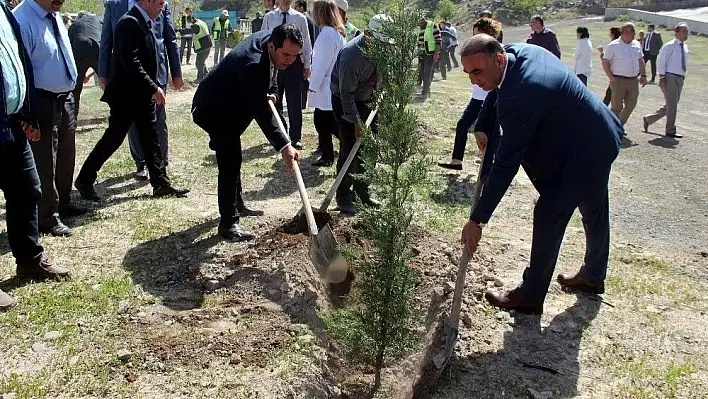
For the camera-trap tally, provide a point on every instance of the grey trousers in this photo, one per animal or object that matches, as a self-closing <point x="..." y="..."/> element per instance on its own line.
<point x="200" y="63"/>
<point x="673" y="84"/>
<point x="625" y="92"/>
<point x="220" y="49"/>
<point x="425" y="72"/>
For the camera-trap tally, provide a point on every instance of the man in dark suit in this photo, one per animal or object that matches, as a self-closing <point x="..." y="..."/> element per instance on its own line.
<point x="19" y="180"/>
<point x="168" y="53"/>
<point x="251" y="67"/>
<point x="132" y="93"/>
<point x="651" y="48"/>
<point x="85" y="37"/>
<point x="566" y="144"/>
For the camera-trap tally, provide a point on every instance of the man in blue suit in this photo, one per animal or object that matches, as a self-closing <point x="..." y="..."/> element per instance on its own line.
<point x="565" y="139"/>
<point x="168" y="53"/>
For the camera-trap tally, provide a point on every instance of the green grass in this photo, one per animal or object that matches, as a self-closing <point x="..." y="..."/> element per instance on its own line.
<point x="24" y="387"/>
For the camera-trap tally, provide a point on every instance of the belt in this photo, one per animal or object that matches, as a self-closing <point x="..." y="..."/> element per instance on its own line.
<point x="624" y="77"/>
<point x="51" y="93"/>
<point x="675" y="74"/>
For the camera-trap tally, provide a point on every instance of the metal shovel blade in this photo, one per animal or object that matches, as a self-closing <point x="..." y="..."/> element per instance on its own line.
<point x="323" y="254"/>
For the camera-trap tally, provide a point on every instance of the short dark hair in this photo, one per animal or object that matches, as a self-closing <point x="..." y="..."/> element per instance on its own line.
<point x="481" y="43"/>
<point x="485" y="14"/>
<point x="191" y="19"/>
<point x="187" y="9"/>
<point x="539" y="19"/>
<point x="615" y="32"/>
<point x="651" y="26"/>
<point x="681" y="25"/>
<point x="301" y="3"/>
<point x="283" y="32"/>
<point x="583" y="31"/>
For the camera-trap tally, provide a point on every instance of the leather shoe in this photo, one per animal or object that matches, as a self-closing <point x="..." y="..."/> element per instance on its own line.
<point x="169" y="191"/>
<point x="6" y="301"/>
<point x="87" y="191"/>
<point x="576" y="282"/>
<point x="235" y="232"/>
<point x="72" y="210"/>
<point x="42" y="271"/>
<point x="675" y="135"/>
<point x="244" y="211"/>
<point x="297" y="145"/>
<point x="451" y="166"/>
<point x="141" y="174"/>
<point x="58" y="230"/>
<point x="346" y="207"/>
<point x="511" y="300"/>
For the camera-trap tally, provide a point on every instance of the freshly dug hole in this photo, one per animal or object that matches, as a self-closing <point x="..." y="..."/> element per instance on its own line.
<point x="299" y="223"/>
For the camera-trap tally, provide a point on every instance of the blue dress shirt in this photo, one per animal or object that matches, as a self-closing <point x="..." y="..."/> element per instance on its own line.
<point x="13" y="76"/>
<point x="52" y="58"/>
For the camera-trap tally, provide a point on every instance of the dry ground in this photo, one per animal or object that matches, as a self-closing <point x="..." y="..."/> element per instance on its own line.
<point x="159" y="307"/>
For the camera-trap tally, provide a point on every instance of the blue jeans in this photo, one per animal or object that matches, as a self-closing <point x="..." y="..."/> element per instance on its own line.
<point x="134" y="143"/>
<point x="19" y="182"/>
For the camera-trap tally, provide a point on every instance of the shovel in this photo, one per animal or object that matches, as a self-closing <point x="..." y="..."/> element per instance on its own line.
<point x="453" y="323"/>
<point x="345" y="167"/>
<point x="323" y="246"/>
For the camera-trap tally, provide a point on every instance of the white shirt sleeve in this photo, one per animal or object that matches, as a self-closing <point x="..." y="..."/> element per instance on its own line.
<point x="663" y="60"/>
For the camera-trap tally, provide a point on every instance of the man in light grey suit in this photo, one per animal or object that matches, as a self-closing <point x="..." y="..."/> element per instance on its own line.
<point x="651" y="47"/>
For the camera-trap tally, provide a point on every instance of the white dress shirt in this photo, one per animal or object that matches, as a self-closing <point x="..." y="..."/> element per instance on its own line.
<point x="324" y="55"/>
<point x="583" y="57"/>
<point x="624" y="57"/>
<point x="478" y="93"/>
<point x="275" y="18"/>
<point x="670" y="58"/>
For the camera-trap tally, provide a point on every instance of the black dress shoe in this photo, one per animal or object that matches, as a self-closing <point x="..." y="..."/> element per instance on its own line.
<point x="235" y="232"/>
<point x="42" y="270"/>
<point x="452" y="166"/>
<point x="87" y="191"/>
<point x="297" y="145"/>
<point x="244" y="211"/>
<point x="346" y="207"/>
<point x="169" y="191"/>
<point x="58" y="230"/>
<point x="72" y="210"/>
<point x="323" y="162"/>
<point x="675" y="135"/>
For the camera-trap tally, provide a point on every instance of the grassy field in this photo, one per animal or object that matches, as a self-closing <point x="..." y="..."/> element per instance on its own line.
<point x="200" y="317"/>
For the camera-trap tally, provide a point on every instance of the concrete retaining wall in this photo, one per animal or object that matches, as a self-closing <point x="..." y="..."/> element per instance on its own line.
<point x="698" y="27"/>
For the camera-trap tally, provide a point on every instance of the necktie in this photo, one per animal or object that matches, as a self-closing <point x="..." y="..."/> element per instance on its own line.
<point x="647" y="42"/>
<point x="683" y="58"/>
<point x="285" y="18"/>
<point x="68" y="65"/>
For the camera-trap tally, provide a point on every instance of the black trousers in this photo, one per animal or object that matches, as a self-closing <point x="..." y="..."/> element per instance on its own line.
<point x="121" y="117"/>
<point x="451" y="50"/>
<point x="228" y="161"/>
<point x="19" y="182"/>
<point x="55" y="153"/>
<point x="468" y="118"/>
<point x="305" y="89"/>
<point x="185" y="43"/>
<point x="425" y="72"/>
<point x="86" y="57"/>
<point x="326" y="126"/>
<point x="648" y="58"/>
<point x="549" y="226"/>
<point x="290" y="82"/>
<point x="347" y="138"/>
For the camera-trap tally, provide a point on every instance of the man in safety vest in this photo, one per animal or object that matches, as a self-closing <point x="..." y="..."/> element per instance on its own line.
<point x="429" y="41"/>
<point x="202" y="45"/>
<point x="185" y="34"/>
<point x="349" y="28"/>
<point x="220" y="32"/>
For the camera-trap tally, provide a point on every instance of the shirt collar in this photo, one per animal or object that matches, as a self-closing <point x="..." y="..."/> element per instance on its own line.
<point x="144" y="14"/>
<point x="280" y="12"/>
<point x="506" y="66"/>
<point x="39" y="10"/>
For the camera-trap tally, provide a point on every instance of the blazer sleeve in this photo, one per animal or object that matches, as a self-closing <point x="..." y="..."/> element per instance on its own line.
<point x="132" y="37"/>
<point x="170" y="40"/>
<point x="106" y="45"/>
<point x="326" y="50"/>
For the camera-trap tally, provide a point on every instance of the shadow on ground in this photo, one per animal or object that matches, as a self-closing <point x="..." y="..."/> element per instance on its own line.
<point x="281" y="182"/>
<point x="542" y="360"/>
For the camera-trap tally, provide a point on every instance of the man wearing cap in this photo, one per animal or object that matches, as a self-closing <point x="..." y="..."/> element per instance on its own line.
<point x="354" y="79"/>
<point x="290" y="80"/>
<point x="350" y="30"/>
<point x="185" y="33"/>
<point x="220" y="31"/>
<point x="429" y="42"/>
<point x="672" y="71"/>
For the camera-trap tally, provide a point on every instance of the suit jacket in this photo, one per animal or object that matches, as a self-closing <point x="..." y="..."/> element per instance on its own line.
<point x="655" y="43"/>
<point x="245" y="70"/>
<point x="566" y="143"/>
<point x="28" y="112"/>
<point x="85" y="37"/>
<point x="133" y="75"/>
<point x="165" y="36"/>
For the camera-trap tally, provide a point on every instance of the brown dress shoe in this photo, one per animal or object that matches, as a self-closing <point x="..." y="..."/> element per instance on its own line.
<point x="42" y="271"/>
<point x="579" y="283"/>
<point x="510" y="300"/>
<point x="6" y="301"/>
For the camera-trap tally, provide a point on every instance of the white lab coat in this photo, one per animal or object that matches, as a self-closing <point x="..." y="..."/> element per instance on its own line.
<point x="324" y="55"/>
<point x="583" y="57"/>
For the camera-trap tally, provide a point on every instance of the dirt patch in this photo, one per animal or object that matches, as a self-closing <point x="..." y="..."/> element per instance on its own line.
<point x="299" y="223"/>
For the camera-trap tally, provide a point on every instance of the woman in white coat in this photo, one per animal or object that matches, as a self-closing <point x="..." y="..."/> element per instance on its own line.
<point x="324" y="55"/>
<point x="583" y="55"/>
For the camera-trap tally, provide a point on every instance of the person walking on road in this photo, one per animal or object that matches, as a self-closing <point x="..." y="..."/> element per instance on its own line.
<point x="672" y="67"/>
<point x="650" y="48"/>
<point x="583" y="55"/>
<point x="221" y="30"/>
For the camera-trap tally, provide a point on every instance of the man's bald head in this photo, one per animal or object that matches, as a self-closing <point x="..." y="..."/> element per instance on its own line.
<point x="484" y="60"/>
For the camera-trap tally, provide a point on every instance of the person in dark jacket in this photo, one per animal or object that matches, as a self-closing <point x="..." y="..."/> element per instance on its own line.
<point x="543" y="37"/>
<point x="85" y="38"/>
<point x="565" y="143"/>
<point x="250" y="68"/>
<point x="19" y="180"/>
